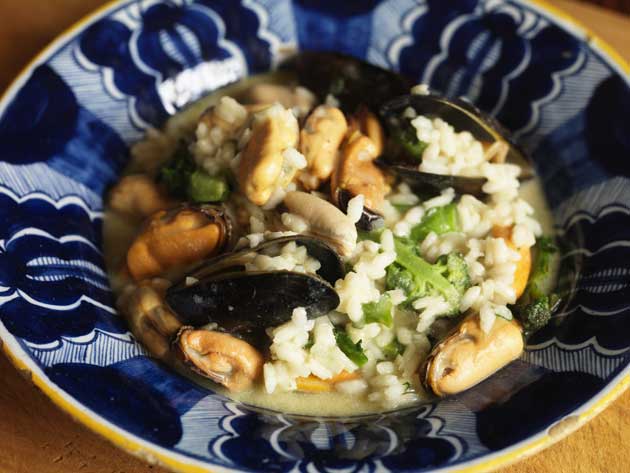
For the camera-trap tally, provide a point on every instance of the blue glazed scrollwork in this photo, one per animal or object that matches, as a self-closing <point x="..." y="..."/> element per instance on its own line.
<point x="142" y="58"/>
<point x="52" y="281"/>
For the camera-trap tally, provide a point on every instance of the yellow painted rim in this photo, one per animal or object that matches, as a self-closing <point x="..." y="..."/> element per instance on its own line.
<point x="154" y="455"/>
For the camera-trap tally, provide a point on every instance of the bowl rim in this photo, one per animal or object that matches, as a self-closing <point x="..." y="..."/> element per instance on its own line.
<point x="175" y="461"/>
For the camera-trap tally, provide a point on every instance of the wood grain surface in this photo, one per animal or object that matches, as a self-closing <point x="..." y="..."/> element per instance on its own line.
<point x="36" y="437"/>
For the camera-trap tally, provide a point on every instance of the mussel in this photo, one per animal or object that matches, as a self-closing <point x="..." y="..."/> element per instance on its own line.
<point x="432" y="184"/>
<point x="325" y="221"/>
<point x="468" y="355"/>
<point x="355" y="172"/>
<point x="221" y="291"/>
<point x="171" y="239"/>
<point x="351" y="81"/>
<point x="222" y="357"/>
<point x="404" y="152"/>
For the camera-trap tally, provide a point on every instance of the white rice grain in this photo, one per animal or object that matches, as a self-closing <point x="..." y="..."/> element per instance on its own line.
<point x="355" y="208"/>
<point x="352" y="387"/>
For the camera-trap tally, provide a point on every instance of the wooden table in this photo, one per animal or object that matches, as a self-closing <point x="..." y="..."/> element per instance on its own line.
<point x="36" y="437"/>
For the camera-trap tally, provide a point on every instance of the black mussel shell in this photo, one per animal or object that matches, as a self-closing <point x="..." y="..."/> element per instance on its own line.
<point x="370" y="219"/>
<point x="430" y="184"/>
<point x="249" y="302"/>
<point x="332" y="267"/>
<point x="246" y="302"/>
<point x="351" y="81"/>
<point x="462" y="115"/>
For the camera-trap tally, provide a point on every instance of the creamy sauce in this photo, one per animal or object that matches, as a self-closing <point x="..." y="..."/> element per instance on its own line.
<point x="533" y="193"/>
<point x="320" y="404"/>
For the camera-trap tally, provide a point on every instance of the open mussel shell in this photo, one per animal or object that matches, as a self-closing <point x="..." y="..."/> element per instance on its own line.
<point x="351" y="81"/>
<point x="251" y="301"/>
<point x="370" y="219"/>
<point x="332" y="267"/>
<point x="463" y="116"/>
<point x="431" y="184"/>
<point x="240" y="301"/>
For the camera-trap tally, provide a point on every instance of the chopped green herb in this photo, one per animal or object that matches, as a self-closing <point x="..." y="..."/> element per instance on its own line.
<point x="393" y="349"/>
<point x="203" y="187"/>
<point x="379" y="311"/>
<point x="402" y="208"/>
<point x="439" y="220"/>
<point x="183" y="180"/>
<point x="175" y="174"/>
<point x="374" y="235"/>
<point x="407" y="138"/>
<point x="352" y="350"/>
<point x="426" y="279"/>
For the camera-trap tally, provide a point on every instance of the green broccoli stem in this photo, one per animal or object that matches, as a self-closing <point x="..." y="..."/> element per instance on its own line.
<point x="540" y="279"/>
<point x="203" y="187"/>
<point x="379" y="311"/>
<point x="423" y="271"/>
<point x="407" y="139"/>
<point x="438" y="220"/>
<point x="537" y="304"/>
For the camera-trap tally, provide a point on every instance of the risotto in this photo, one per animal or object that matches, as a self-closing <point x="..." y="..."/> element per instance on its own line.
<point x="319" y="242"/>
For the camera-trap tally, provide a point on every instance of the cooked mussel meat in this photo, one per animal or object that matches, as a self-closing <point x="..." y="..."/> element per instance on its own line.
<point x="138" y="196"/>
<point x="320" y="139"/>
<point x="227" y="292"/>
<point x="351" y="81"/>
<point x="405" y="151"/>
<point x="356" y="174"/>
<point x="325" y="221"/>
<point x="223" y="358"/>
<point x="150" y="320"/>
<point x="177" y="237"/>
<point x="468" y="355"/>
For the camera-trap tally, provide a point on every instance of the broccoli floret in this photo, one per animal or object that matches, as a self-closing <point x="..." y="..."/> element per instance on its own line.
<point x="175" y="174"/>
<point x="536" y="314"/>
<point x="183" y="180"/>
<point x="454" y="268"/>
<point x="438" y="220"/>
<point x="537" y="304"/>
<point x="399" y="278"/>
<point x="417" y="278"/>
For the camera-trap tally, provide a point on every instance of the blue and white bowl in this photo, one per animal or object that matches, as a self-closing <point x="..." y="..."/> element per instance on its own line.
<point x="65" y="129"/>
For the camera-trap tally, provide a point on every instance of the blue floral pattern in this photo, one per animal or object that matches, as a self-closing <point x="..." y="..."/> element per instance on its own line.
<point x="65" y="134"/>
